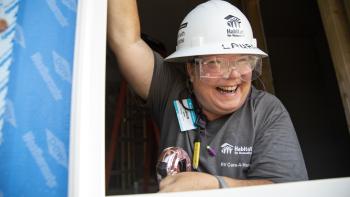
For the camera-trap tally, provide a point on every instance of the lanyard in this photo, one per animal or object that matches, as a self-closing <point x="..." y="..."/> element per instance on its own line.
<point x="201" y="124"/>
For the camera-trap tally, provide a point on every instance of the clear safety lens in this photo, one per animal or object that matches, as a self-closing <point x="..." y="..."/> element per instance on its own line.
<point x="246" y="67"/>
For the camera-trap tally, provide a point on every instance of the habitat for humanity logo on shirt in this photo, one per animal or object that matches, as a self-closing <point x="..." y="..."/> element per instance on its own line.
<point x="229" y="149"/>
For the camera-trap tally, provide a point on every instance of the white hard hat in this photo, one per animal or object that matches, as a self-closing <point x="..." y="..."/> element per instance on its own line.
<point x="214" y="27"/>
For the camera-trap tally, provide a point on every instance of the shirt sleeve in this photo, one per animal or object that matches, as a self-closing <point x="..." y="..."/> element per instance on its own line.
<point x="165" y="77"/>
<point x="277" y="154"/>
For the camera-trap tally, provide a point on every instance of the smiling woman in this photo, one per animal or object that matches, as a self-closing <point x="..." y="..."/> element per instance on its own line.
<point x="228" y="110"/>
<point x="176" y="87"/>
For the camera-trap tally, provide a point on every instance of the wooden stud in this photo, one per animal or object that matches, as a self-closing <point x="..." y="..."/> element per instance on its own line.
<point x="251" y="9"/>
<point x="336" y="25"/>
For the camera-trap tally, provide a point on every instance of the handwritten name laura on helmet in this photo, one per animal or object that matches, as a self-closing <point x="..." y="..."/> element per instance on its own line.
<point x="234" y="45"/>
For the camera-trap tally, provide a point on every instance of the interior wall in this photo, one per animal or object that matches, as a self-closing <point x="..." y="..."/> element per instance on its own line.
<point x="305" y="81"/>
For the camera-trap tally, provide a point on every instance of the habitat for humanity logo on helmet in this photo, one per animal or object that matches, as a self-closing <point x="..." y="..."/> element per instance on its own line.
<point x="227" y="148"/>
<point x="234" y="26"/>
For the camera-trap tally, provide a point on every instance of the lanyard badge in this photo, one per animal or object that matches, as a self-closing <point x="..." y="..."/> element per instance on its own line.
<point x="185" y="117"/>
<point x="189" y="121"/>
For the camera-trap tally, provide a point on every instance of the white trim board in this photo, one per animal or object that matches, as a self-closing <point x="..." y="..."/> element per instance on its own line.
<point x="338" y="187"/>
<point x="87" y="130"/>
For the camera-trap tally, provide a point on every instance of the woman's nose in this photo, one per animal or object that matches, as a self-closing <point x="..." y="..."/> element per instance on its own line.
<point x="234" y="73"/>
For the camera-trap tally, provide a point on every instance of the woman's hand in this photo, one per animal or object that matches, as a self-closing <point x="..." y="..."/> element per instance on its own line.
<point x="187" y="181"/>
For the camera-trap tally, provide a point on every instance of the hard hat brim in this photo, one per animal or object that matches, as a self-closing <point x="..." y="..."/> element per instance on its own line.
<point x="184" y="54"/>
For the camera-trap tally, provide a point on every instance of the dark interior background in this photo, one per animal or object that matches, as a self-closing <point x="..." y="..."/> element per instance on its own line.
<point x="305" y="81"/>
<point x="303" y="76"/>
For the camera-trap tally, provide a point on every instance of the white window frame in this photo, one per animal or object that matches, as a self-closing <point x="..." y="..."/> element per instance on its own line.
<point x="87" y="132"/>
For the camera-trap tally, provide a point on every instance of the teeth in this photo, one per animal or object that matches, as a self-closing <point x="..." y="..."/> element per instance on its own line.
<point x="231" y="88"/>
<point x="227" y="89"/>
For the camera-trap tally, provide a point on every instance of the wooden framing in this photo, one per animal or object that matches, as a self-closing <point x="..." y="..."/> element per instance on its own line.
<point x="347" y="8"/>
<point x="251" y="9"/>
<point x="336" y="25"/>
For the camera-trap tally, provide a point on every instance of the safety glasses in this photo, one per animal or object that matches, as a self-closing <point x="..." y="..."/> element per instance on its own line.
<point x="222" y="67"/>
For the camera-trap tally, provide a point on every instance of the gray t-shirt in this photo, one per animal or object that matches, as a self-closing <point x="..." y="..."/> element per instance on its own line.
<point x="258" y="141"/>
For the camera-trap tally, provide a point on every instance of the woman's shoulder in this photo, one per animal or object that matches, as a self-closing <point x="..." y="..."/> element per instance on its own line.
<point x="262" y="100"/>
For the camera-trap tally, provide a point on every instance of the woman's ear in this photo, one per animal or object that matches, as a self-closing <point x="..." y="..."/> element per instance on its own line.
<point x="190" y="71"/>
